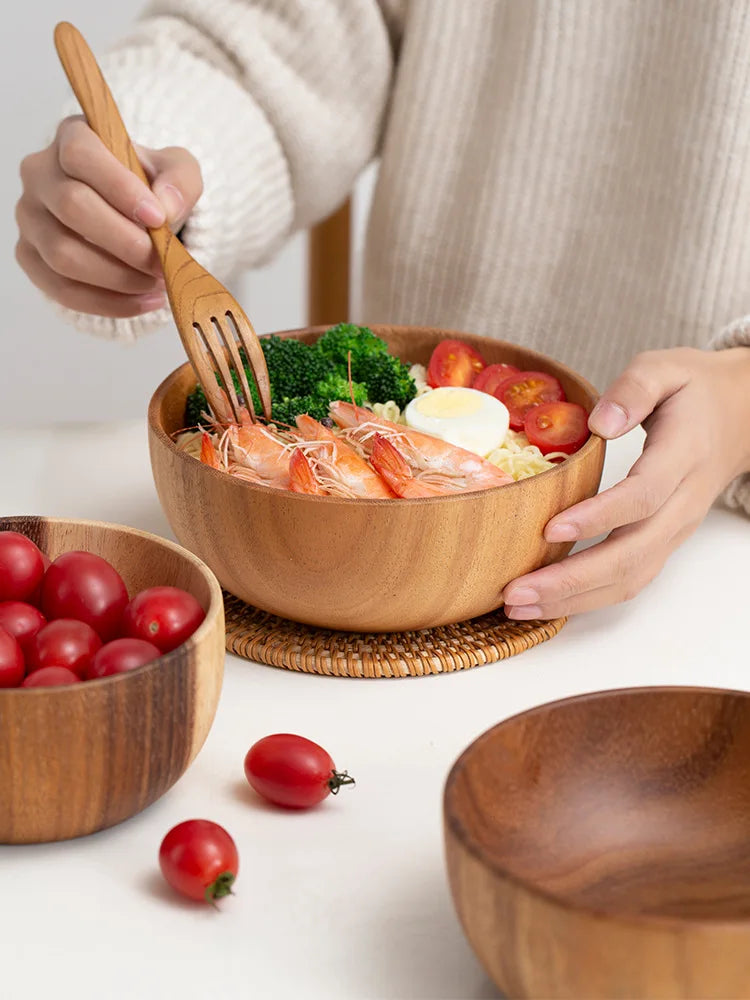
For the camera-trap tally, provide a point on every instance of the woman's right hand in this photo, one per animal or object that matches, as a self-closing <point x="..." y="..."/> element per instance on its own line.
<point x="82" y="218"/>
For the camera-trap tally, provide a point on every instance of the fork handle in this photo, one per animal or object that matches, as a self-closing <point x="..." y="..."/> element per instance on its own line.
<point x="102" y="114"/>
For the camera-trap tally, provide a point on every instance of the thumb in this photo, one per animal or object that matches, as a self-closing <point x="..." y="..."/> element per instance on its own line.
<point x="176" y="180"/>
<point x="648" y="381"/>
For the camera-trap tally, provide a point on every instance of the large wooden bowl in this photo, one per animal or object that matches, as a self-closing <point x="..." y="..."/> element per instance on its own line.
<point x="365" y="565"/>
<point x="600" y="846"/>
<point x="81" y="758"/>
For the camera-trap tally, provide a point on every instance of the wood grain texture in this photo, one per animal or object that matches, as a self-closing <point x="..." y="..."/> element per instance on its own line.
<point x="209" y="320"/>
<point x="368" y="565"/>
<point x="81" y="758"/>
<point x="598" y="846"/>
<point x="328" y="268"/>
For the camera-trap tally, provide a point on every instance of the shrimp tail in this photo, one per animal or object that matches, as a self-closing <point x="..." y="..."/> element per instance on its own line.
<point x="301" y="476"/>
<point x="392" y="467"/>
<point x="209" y="455"/>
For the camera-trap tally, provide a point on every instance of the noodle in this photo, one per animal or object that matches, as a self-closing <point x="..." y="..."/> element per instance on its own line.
<point x="520" y="459"/>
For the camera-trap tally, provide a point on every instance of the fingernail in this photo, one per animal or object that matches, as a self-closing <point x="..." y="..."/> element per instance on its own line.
<point x="152" y="301"/>
<point x="526" y="613"/>
<point x="173" y="202"/>
<point x="562" y="532"/>
<point x="149" y="212"/>
<point x="608" y="419"/>
<point x="522" y="595"/>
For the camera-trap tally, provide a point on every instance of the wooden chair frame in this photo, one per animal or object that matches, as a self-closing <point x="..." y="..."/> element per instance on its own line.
<point x="329" y="269"/>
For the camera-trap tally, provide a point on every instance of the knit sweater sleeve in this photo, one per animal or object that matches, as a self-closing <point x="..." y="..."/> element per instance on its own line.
<point x="280" y="101"/>
<point x="736" y="334"/>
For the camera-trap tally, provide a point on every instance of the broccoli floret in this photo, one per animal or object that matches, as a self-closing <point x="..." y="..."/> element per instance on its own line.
<point x="294" y="368"/>
<point x="335" y="386"/>
<point x="336" y="343"/>
<point x="386" y="378"/>
<point x="316" y="403"/>
<point x="286" y="410"/>
<point x="195" y="405"/>
<point x="306" y="379"/>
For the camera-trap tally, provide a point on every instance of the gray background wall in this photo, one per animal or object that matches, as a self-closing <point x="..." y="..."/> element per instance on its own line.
<point x="48" y="370"/>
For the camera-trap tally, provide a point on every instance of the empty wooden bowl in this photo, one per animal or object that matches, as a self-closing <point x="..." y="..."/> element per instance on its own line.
<point x="368" y="565"/>
<point x="81" y="758"/>
<point x="600" y="846"/>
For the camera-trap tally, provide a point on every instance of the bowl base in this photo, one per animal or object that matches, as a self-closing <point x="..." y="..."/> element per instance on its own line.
<point x="258" y="635"/>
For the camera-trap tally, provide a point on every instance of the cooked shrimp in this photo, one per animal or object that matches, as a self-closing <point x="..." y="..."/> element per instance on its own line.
<point x="394" y="468"/>
<point x="432" y="462"/>
<point x="301" y="476"/>
<point x="256" y="454"/>
<point x="336" y="466"/>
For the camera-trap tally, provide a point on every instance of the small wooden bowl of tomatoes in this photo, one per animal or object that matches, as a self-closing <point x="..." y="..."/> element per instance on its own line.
<point x="383" y="565"/>
<point x="111" y="664"/>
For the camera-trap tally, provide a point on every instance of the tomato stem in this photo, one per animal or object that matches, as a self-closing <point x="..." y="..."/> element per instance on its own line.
<point x="339" y="778"/>
<point x="220" y="887"/>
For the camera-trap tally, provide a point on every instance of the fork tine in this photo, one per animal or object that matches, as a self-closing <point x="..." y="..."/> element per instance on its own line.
<point x="214" y="347"/>
<point x="231" y="345"/>
<point x="248" y="338"/>
<point x="216" y="398"/>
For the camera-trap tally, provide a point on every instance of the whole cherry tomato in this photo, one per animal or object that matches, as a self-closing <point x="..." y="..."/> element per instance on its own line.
<point x="51" y="677"/>
<point x="121" y="655"/>
<point x="21" y="566"/>
<point x="36" y="597"/>
<point x="23" y="621"/>
<point x="12" y="666"/>
<point x="165" y="616"/>
<point x="199" y="859"/>
<point x="292" y="771"/>
<point x="84" y="586"/>
<point x="64" y="643"/>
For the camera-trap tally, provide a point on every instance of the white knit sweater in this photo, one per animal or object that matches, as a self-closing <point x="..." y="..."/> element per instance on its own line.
<point x="573" y="175"/>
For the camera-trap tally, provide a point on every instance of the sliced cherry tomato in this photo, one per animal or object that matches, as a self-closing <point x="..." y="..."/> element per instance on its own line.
<point x="292" y="771"/>
<point x="557" y="427"/>
<point x="120" y="655"/>
<point x="199" y="859"/>
<point x="21" y="566"/>
<point x="165" y="616"/>
<point x="454" y="363"/>
<point x="23" y="621"/>
<point x="490" y="378"/>
<point x="84" y="586"/>
<point x="527" y="389"/>
<point x="12" y="666"/>
<point x="51" y="677"/>
<point x="64" y="643"/>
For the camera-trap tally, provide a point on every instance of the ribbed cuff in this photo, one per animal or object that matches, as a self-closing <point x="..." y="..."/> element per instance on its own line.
<point x="737" y="334"/>
<point x="246" y="209"/>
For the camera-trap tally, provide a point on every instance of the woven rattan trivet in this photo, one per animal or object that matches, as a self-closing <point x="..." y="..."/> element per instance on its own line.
<point x="257" y="635"/>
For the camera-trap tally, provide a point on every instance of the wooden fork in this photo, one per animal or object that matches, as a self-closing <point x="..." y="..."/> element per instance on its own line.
<point x="210" y="322"/>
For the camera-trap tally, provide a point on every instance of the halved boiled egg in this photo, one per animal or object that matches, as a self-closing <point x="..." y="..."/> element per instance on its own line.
<point x="466" y="418"/>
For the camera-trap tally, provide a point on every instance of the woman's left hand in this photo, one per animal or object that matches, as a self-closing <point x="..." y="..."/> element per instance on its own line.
<point x="695" y="408"/>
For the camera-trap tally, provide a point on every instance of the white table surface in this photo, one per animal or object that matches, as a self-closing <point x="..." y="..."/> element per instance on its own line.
<point x="349" y="901"/>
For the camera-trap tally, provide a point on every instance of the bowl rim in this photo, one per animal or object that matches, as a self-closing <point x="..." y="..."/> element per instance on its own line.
<point x="595" y="442"/>
<point x="458" y="831"/>
<point x="215" y="606"/>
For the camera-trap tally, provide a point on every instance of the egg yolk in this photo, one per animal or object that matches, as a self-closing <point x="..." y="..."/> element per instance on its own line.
<point x="453" y="404"/>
